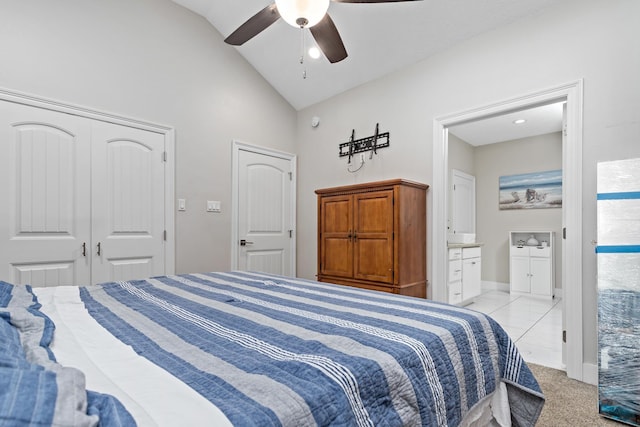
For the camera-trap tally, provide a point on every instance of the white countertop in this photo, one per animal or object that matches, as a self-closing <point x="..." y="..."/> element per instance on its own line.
<point x="464" y="245"/>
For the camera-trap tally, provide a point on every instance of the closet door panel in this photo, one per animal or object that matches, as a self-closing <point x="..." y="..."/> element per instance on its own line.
<point x="45" y="217"/>
<point x="127" y="203"/>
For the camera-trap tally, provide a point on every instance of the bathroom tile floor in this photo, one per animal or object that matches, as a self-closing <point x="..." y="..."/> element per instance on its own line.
<point x="534" y="324"/>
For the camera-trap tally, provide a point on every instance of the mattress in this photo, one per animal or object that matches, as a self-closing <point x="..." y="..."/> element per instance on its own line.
<point x="287" y="352"/>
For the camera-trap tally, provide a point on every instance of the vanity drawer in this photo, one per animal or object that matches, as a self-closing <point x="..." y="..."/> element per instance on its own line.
<point x="540" y="251"/>
<point x="455" y="292"/>
<point x="455" y="253"/>
<point x="471" y="252"/>
<point x="533" y="251"/>
<point x="520" y="250"/>
<point x="455" y="270"/>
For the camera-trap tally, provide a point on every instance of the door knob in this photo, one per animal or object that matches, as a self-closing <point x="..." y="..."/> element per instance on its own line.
<point x="243" y="242"/>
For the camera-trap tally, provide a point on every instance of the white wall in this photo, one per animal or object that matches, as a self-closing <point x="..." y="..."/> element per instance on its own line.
<point x="597" y="40"/>
<point x="156" y="61"/>
<point x="461" y="155"/>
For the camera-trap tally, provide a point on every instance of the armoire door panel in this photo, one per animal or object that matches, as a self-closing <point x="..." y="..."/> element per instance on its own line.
<point x="373" y="260"/>
<point x="373" y="247"/>
<point x="337" y="216"/>
<point x="337" y="257"/>
<point x="337" y="244"/>
<point x="374" y="212"/>
<point x="46" y="212"/>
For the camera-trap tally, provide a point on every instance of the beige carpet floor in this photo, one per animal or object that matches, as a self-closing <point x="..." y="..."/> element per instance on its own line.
<point x="568" y="402"/>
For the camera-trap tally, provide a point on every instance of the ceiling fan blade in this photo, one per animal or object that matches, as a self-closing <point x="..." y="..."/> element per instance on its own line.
<point x="329" y="40"/>
<point x="254" y="25"/>
<point x="370" y="1"/>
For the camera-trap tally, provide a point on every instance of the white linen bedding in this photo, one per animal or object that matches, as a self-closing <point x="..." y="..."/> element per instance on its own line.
<point x="153" y="396"/>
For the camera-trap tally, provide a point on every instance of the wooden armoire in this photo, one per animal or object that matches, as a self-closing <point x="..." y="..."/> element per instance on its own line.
<point x="373" y="236"/>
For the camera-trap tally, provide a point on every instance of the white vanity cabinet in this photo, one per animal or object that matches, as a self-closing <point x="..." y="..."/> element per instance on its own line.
<point x="531" y="266"/>
<point x="471" y="273"/>
<point x="464" y="278"/>
<point x="454" y="278"/>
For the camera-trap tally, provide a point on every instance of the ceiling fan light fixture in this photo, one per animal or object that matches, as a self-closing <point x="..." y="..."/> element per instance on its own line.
<point x="302" y="13"/>
<point x="314" y="52"/>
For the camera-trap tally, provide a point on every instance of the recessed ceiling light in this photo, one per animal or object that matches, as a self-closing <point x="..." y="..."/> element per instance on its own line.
<point x="519" y="121"/>
<point x="314" y="52"/>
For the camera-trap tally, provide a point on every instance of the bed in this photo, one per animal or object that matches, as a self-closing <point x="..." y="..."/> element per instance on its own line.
<point x="242" y="348"/>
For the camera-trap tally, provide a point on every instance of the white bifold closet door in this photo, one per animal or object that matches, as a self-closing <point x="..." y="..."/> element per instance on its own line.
<point x="82" y="199"/>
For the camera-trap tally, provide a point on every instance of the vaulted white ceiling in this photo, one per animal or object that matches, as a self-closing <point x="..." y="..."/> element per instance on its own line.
<point x="379" y="38"/>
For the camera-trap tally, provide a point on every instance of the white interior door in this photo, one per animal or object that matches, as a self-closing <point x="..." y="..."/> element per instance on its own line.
<point x="128" y="201"/>
<point x="45" y="191"/>
<point x="265" y="214"/>
<point x="463" y="201"/>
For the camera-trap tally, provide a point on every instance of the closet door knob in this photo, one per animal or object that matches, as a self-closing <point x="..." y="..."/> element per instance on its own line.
<point x="98" y="248"/>
<point x="84" y="249"/>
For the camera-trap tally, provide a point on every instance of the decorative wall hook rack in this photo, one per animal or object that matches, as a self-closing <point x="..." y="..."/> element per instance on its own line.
<point x="370" y="143"/>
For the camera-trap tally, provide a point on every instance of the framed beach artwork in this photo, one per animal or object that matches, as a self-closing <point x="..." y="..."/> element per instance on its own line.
<point x="537" y="190"/>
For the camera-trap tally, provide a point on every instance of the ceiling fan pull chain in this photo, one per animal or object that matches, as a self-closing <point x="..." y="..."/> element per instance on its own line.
<point x="304" y="69"/>
<point x="301" y="45"/>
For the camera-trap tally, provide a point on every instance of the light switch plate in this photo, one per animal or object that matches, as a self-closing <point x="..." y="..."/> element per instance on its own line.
<point x="182" y="204"/>
<point x="213" y="206"/>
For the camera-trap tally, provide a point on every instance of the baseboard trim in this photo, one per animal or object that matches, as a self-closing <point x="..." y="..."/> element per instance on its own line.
<point x="488" y="285"/>
<point x="590" y="373"/>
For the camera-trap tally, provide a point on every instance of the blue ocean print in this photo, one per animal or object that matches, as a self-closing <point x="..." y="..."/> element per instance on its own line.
<point x="537" y="190"/>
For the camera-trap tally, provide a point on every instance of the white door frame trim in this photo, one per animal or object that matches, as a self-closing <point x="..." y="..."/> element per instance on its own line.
<point x="169" y="138"/>
<point x="572" y="193"/>
<point x="238" y="146"/>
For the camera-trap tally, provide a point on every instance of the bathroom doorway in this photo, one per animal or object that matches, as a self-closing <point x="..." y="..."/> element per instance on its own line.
<point x="572" y="204"/>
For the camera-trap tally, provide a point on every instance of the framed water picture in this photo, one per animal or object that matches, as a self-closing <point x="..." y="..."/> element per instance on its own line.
<point x="537" y="190"/>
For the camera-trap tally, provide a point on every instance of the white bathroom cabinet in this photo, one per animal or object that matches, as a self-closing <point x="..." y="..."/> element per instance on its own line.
<point x="531" y="265"/>
<point x="464" y="279"/>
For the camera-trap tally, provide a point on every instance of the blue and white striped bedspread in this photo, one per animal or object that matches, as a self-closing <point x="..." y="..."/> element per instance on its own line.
<point x="270" y="350"/>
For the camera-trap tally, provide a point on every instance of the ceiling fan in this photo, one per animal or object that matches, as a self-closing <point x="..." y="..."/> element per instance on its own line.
<point x="310" y="14"/>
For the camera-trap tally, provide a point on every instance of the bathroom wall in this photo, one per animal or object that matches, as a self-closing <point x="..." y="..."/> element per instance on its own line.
<point x="533" y="154"/>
